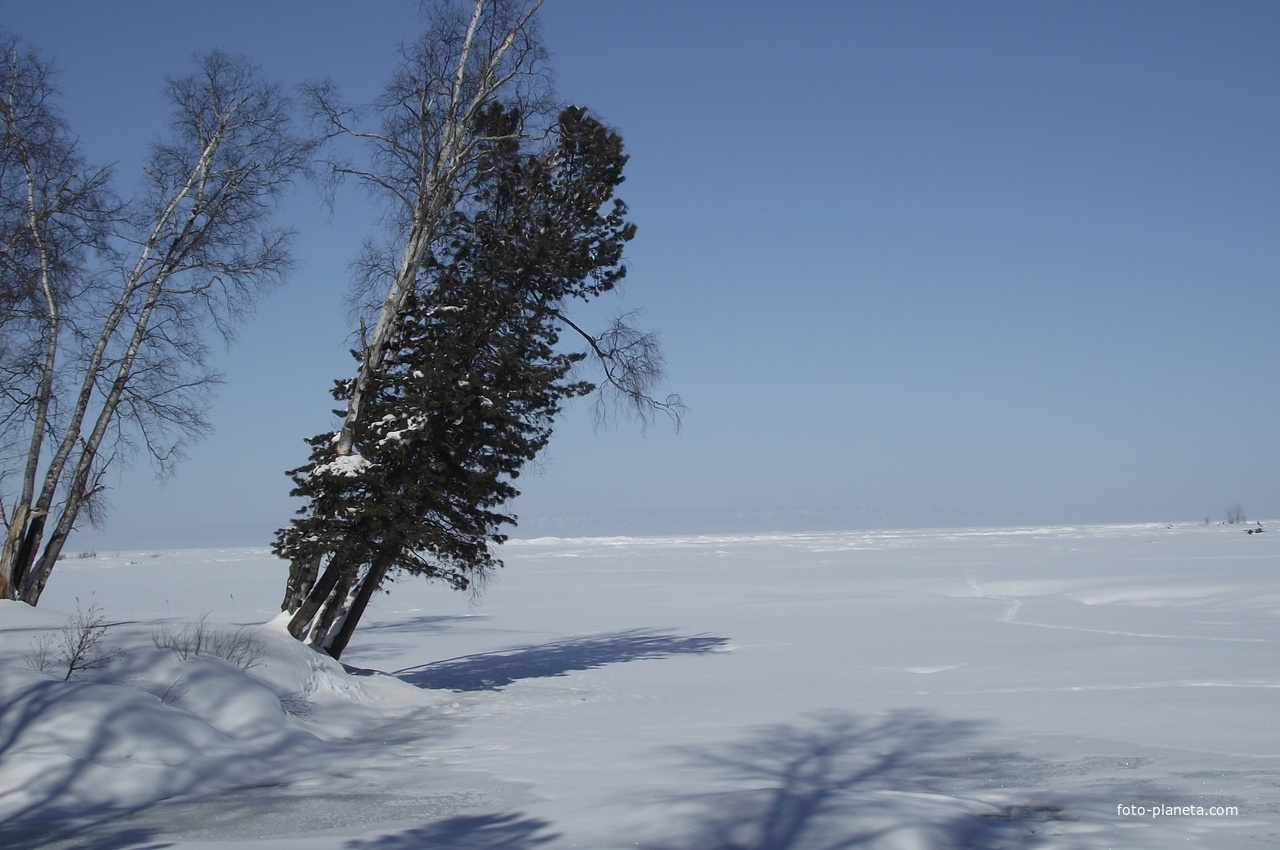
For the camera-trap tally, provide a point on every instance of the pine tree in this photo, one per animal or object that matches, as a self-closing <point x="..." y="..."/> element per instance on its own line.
<point x="471" y="381"/>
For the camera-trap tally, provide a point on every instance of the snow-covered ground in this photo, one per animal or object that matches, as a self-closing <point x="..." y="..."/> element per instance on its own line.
<point x="1006" y="688"/>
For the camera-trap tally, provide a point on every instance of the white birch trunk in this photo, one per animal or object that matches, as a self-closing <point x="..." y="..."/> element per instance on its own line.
<point x="441" y="185"/>
<point x="437" y="176"/>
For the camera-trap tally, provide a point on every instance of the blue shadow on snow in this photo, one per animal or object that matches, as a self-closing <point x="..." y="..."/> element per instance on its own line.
<point x="491" y="671"/>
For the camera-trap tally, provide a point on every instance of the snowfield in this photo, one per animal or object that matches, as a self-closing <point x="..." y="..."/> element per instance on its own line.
<point x="1092" y="687"/>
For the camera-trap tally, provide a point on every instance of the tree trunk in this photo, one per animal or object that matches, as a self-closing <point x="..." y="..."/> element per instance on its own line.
<point x="333" y="605"/>
<point x="9" y="577"/>
<point x="43" y="567"/>
<point x="302" y="577"/>
<point x="20" y="567"/>
<point x="338" y="642"/>
<point x="320" y="591"/>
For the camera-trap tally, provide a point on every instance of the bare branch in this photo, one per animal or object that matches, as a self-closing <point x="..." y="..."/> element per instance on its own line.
<point x="632" y="364"/>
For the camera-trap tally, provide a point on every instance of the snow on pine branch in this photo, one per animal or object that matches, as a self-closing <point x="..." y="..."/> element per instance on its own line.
<point x="347" y="466"/>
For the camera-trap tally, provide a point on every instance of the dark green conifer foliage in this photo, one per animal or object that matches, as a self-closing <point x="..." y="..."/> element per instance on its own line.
<point x="473" y="381"/>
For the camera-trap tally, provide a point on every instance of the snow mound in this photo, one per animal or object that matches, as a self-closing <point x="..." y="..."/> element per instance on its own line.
<point x="144" y="724"/>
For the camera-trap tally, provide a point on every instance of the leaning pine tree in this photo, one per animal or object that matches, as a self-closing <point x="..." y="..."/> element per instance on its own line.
<point x="472" y="379"/>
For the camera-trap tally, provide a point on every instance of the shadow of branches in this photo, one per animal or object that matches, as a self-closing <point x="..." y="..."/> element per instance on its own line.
<point x="38" y="822"/>
<point x="425" y="623"/>
<point x="68" y="800"/>
<point x="491" y="671"/>
<point x="840" y="782"/>
<point x="73" y="829"/>
<point x="466" y="832"/>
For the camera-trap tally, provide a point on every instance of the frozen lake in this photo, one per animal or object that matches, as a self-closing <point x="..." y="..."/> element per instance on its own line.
<point x="1110" y="686"/>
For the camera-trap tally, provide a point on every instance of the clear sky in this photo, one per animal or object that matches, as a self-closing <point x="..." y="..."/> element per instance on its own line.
<point x="915" y="263"/>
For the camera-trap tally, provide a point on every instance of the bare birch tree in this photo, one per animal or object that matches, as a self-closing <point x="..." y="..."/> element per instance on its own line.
<point x="473" y="90"/>
<point x="110" y="304"/>
<point x="54" y="211"/>
<point x="424" y="143"/>
<point x="424" y="152"/>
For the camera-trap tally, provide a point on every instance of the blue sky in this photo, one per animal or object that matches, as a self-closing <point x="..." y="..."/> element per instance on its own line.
<point x="940" y="263"/>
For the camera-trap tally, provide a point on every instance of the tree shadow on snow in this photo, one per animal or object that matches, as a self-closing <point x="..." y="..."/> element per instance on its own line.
<point x="838" y="782"/>
<point x="466" y="832"/>
<point x="59" y="807"/>
<point x="424" y="623"/>
<point x="39" y="824"/>
<point x="491" y="671"/>
<point x="57" y="829"/>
